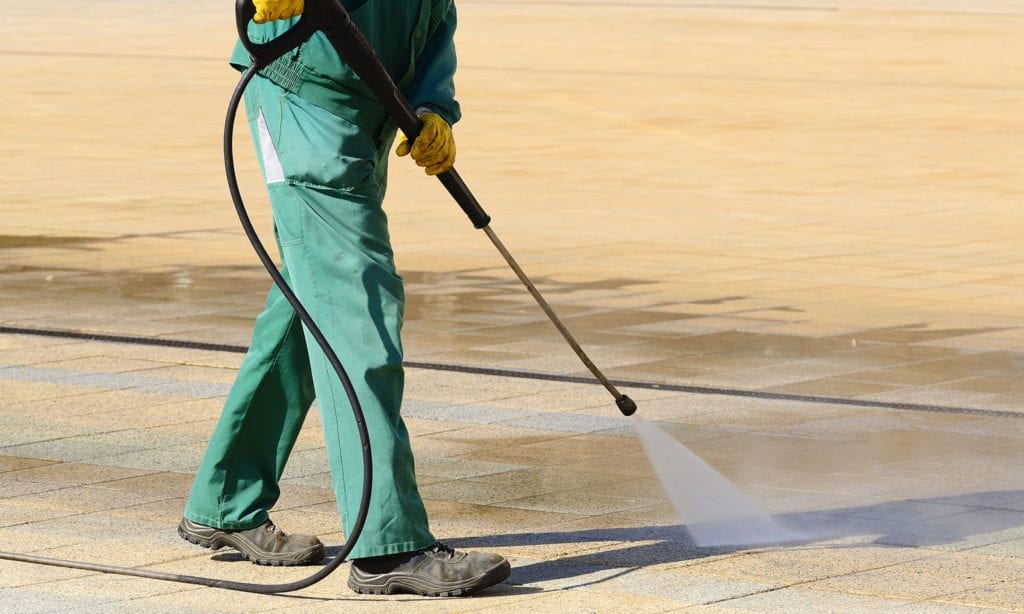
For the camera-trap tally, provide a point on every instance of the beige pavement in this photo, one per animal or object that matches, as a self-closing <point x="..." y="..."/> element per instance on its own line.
<point x="801" y="218"/>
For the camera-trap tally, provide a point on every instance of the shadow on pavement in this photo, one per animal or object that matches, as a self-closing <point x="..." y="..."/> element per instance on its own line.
<point x="917" y="523"/>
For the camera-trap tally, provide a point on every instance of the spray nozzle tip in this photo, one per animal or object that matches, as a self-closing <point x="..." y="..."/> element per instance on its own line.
<point x="626" y="405"/>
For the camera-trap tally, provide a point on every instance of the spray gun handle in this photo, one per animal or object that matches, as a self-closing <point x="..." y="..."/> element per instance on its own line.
<point x="265" y="53"/>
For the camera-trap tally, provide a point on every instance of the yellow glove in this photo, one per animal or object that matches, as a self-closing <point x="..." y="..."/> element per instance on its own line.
<point x="272" y="10"/>
<point x="434" y="148"/>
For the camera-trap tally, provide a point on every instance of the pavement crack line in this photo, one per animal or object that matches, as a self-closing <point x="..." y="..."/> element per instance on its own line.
<point x="552" y="377"/>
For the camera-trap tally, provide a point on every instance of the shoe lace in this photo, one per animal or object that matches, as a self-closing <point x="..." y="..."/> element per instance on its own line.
<point x="441" y="549"/>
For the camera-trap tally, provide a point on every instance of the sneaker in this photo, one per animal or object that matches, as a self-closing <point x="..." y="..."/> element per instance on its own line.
<point x="437" y="571"/>
<point x="264" y="545"/>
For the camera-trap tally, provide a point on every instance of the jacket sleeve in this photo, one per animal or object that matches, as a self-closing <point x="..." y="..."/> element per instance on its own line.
<point x="433" y="85"/>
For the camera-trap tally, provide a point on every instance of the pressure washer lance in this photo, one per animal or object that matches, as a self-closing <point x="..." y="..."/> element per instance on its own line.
<point x="356" y="51"/>
<point x="330" y="17"/>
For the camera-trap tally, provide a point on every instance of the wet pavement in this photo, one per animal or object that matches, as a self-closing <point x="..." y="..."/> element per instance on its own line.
<point x="790" y="231"/>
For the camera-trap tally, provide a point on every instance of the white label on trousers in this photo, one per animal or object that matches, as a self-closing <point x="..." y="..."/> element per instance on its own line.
<point x="272" y="170"/>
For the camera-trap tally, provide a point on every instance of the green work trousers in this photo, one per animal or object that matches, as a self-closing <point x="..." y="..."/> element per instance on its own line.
<point x="326" y="175"/>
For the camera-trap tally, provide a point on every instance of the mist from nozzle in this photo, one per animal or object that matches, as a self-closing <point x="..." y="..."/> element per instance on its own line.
<point x="714" y="511"/>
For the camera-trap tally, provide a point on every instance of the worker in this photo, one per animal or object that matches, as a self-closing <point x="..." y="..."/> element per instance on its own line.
<point x="323" y="142"/>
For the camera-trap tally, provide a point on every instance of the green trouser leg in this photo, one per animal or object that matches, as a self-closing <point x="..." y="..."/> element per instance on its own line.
<point x="326" y="182"/>
<point x="237" y="481"/>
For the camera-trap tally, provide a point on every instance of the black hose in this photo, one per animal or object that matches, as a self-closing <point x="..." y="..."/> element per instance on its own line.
<point x="332" y="357"/>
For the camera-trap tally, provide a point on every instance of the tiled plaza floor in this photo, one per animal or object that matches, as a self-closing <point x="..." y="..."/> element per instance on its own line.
<point x="790" y="231"/>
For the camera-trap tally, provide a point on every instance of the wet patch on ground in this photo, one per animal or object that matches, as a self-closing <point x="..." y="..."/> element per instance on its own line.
<point x="23" y="241"/>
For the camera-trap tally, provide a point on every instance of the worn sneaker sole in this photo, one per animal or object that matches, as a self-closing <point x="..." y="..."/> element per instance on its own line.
<point x="215" y="540"/>
<point x="392" y="584"/>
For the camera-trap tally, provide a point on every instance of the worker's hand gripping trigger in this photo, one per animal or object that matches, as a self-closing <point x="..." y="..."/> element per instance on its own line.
<point x="272" y="10"/>
<point x="264" y="53"/>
